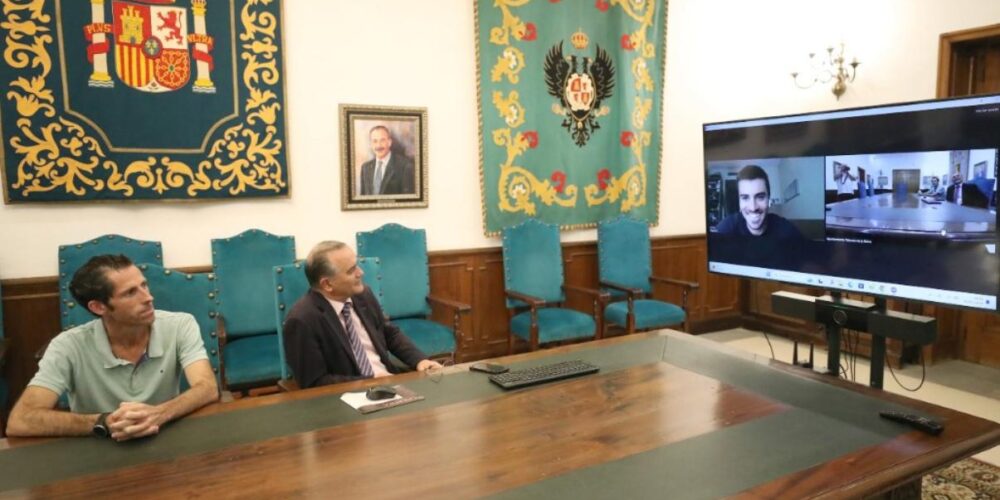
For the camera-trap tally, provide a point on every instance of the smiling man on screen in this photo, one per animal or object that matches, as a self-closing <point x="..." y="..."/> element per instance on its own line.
<point x="753" y="219"/>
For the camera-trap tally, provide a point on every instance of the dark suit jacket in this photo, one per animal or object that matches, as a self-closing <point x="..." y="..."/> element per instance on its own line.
<point x="397" y="179"/>
<point x="316" y="346"/>
<point x="971" y="195"/>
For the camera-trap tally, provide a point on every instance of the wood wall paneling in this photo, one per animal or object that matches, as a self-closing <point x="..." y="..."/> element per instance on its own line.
<point x="489" y="308"/>
<point x="30" y="321"/>
<point x="980" y="338"/>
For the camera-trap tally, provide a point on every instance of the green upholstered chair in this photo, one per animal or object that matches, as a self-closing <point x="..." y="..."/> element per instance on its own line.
<point x="625" y="268"/>
<point x="406" y="297"/>
<point x="290" y="284"/>
<point x="71" y="257"/>
<point x="194" y="294"/>
<point x="533" y="282"/>
<point x="248" y="341"/>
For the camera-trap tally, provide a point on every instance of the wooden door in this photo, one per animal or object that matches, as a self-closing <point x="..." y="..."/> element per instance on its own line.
<point x="969" y="62"/>
<point x="909" y="178"/>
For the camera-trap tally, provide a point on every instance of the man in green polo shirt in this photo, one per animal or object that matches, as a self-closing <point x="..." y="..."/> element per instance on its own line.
<point x="121" y="370"/>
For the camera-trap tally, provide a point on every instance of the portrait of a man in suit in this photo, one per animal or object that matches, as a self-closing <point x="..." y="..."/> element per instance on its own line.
<point x="383" y="157"/>
<point x="390" y="171"/>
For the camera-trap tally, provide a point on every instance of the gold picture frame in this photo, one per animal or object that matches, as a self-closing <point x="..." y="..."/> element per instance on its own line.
<point x="384" y="146"/>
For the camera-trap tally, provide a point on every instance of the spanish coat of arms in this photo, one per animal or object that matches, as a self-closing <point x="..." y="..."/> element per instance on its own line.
<point x="153" y="45"/>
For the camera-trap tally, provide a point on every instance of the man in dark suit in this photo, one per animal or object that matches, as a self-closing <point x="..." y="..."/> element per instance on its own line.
<point x="389" y="172"/>
<point x="965" y="193"/>
<point x="337" y="331"/>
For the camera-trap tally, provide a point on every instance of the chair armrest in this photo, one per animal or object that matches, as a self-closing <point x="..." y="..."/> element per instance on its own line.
<point x="597" y="294"/>
<point x="690" y="285"/>
<point x="220" y="330"/>
<point x="686" y="286"/>
<point x="618" y="286"/>
<point x="600" y="301"/>
<point x="459" y="307"/>
<point x="220" y="334"/>
<point x="530" y="300"/>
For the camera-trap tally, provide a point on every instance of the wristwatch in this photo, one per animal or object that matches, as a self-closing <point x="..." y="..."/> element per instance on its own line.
<point x="101" y="426"/>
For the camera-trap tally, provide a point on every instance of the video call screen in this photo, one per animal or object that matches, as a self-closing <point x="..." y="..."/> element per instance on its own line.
<point x="896" y="201"/>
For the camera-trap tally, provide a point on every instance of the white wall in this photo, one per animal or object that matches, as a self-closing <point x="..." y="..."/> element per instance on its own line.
<point x="726" y="59"/>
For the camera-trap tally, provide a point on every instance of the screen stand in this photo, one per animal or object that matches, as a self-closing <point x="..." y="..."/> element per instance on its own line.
<point x="837" y="313"/>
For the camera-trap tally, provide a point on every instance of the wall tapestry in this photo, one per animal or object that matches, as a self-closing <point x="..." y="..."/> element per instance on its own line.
<point x="142" y="100"/>
<point x="569" y="106"/>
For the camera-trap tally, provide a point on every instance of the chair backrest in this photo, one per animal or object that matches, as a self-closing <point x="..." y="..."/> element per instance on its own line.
<point x="623" y="252"/>
<point x="72" y="257"/>
<point x="244" y="268"/>
<point x="372" y="267"/>
<point x="290" y="284"/>
<point x="532" y="261"/>
<point x="403" y="255"/>
<point x="194" y="294"/>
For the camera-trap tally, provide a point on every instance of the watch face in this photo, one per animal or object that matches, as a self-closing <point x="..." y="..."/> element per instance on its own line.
<point x="100" y="427"/>
<point x="100" y="430"/>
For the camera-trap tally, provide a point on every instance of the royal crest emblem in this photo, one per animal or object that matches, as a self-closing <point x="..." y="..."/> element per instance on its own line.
<point x="152" y="45"/>
<point x="580" y="83"/>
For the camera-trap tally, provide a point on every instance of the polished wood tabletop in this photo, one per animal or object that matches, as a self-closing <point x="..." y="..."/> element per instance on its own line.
<point x="667" y="410"/>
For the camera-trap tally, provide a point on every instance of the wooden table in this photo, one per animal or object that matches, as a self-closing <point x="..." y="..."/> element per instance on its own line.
<point x="669" y="415"/>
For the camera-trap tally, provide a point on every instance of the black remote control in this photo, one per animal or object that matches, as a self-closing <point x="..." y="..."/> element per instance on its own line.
<point x="924" y="424"/>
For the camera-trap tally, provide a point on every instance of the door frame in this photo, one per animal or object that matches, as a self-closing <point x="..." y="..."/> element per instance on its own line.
<point x="945" y="57"/>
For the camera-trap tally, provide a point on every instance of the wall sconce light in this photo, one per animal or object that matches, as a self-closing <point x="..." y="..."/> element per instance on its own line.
<point x="825" y="70"/>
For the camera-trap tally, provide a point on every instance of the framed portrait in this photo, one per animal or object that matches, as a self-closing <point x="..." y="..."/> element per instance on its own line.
<point x="383" y="154"/>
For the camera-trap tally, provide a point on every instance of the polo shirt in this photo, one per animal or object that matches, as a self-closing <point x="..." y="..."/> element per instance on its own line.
<point x="79" y="362"/>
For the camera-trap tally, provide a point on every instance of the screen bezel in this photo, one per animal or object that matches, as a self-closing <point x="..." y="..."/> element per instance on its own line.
<point x="830" y="281"/>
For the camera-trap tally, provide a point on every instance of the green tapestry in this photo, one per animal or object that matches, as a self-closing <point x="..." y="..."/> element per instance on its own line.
<point x="569" y="106"/>
<point x="142" y="100"/>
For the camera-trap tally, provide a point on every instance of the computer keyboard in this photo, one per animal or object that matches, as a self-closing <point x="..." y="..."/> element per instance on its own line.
<point x="541" y="374"/>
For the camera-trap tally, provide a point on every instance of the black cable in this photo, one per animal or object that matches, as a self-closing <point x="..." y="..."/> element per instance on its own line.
<point x="845" y="356"/>
<point x="844" y="344"/>
<point x="768" y="339"/>
<point x="923" y="373"/>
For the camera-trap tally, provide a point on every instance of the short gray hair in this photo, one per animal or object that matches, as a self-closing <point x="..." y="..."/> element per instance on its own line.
<point x="318" y="264"/>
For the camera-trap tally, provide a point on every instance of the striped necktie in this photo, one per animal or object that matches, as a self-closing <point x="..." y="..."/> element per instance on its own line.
<point x="352" y="336"/>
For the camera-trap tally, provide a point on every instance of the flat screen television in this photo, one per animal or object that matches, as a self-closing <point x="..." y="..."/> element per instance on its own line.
<point x="896" y="201"/>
